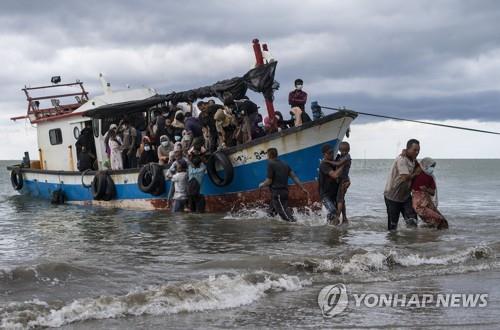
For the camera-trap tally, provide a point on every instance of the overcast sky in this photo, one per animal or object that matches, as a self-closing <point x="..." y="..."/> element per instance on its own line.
<point x="434" y="60"/>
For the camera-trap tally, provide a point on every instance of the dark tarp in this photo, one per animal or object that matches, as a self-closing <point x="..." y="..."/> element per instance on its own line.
<point x="259" y="79"/>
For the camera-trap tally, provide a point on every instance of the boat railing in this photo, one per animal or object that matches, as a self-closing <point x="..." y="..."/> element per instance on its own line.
<point x="60" y="103"/>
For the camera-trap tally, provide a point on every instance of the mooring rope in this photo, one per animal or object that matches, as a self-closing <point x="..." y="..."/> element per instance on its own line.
<point x="413" y="121"/>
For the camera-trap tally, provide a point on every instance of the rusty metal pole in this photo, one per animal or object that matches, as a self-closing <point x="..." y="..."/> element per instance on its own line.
<point x="260" y="61"/>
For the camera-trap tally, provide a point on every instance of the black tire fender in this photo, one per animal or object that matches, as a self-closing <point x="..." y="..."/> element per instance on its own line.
<point x="110" y="190"/>
<point x="151" y="179"/>
<point x="224" y="161"/>
<point x="16" y="178"/>
<point x="84" y="173"/>
<point x="98" y="186"/>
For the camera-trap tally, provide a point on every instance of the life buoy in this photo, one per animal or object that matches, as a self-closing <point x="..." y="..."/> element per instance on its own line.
<point x="227" y="169"/>
<point x="110" y="191"/>
<point x="98" y="186"/>
<point x="151" y="179"/>
<point x="16" y="178"/>
<point x="84" y="173"/>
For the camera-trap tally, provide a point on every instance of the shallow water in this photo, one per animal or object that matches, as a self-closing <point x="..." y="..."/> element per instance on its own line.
<point x="82" y="267"/>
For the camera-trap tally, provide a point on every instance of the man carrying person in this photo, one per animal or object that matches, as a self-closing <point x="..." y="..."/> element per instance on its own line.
<point x="278" y="173"/>
<point x="328" y="182"/>
<point x="397" y="193"/>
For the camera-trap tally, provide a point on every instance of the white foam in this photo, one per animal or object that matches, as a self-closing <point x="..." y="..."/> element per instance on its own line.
<point x="217" y="292"/>
<point x="305" y="216"/>
<point x="456" y="258"/>
<point x="362" y="263"/>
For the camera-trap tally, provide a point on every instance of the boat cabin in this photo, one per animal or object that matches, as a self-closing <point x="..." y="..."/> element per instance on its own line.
<point x="58" y="113"/>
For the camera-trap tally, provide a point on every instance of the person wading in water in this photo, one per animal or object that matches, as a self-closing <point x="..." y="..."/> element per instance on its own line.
<point x="278" y="173"/>
<point x="397" y="191"/>
<point x="328" y="183"/>
<point x="424" y="195"/>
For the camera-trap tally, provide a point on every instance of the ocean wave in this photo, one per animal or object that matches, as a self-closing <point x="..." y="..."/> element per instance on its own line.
<point x="44" y="272"/>
<point x="363" y="262"/>
<point x="217" y="292"/>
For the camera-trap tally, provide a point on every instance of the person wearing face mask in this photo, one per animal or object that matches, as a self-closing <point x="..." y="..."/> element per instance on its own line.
<point x="424" y="195"/>
<point x="297" y="97"/>
<point x="166" y="146"/>
<point x="297" y="100"/>
<point x="147" y="153"/>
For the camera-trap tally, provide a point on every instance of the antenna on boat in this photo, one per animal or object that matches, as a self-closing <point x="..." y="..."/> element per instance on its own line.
<point x="106" y="86"/>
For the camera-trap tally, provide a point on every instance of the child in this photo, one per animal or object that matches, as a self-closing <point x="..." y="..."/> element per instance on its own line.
<point x="180" y="181"/>
<point x="196" y="171"/>
<point x="343" y="180"/>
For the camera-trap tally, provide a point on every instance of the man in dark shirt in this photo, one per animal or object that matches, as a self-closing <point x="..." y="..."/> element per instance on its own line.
<point x="297" y="97"/>
<point x="193" y="125"/>
<point x="329" y="172"/>
<point x="85" y="161"/>
<point x="278" y="173"/>
<point x="207" y="120"/>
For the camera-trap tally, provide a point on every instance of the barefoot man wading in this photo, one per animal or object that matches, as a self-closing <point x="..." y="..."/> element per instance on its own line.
<point x="278" y="173"/>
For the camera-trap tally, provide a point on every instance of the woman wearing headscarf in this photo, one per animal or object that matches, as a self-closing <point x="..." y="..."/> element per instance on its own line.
<point x="424" y="195"/>
<point x="115" y="147"/>
<point x="147" y="154"/>
<point x="166" y="146"/>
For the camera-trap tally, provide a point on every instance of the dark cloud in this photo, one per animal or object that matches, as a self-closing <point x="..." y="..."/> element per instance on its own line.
<point x="425" y="59"/>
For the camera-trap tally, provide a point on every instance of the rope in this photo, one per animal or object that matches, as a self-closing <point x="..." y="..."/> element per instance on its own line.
<point x="414" y="121"/>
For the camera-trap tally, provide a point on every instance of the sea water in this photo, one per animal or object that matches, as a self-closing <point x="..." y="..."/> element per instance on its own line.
<point x="95" y="268"/>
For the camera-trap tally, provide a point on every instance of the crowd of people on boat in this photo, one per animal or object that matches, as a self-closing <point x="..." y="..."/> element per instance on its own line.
<point x="196" y="130"/>
<point x="181" y="138"/>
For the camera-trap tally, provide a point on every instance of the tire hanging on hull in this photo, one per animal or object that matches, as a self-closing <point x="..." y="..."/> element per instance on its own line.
<point x="103" y="187"/>
<point x="151" y="179"/>
<point x="16" y="178"/>
<point x="227" y="167"/>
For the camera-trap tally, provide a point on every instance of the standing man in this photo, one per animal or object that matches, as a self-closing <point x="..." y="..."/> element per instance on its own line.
<point x="397" y="193"/>
<point x="207" y="119"/>
<point x="278" y="173"/>
<point x="297" y="97"/>
<point x="130" y="142"/>
<point x="328" y="183"/>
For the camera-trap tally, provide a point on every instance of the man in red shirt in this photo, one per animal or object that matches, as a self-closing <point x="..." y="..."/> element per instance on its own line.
<point x="297" y="97"/>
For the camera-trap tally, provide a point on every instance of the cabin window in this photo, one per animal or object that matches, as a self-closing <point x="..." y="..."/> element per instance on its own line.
<point x="55" y="136"/>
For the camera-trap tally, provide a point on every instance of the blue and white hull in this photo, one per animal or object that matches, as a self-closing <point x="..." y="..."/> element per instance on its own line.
<point x="300" y="147"/>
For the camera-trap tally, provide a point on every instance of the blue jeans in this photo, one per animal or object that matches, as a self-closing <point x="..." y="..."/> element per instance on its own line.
<point x="331" y="207"/>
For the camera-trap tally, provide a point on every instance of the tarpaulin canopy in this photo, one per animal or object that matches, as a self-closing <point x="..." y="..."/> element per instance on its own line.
<point x="259" y="79"/>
